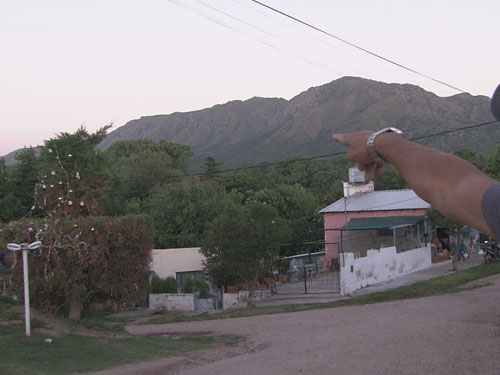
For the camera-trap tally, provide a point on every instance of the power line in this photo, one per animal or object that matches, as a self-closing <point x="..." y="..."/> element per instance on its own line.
<point x="357" y="46"/>
<point x="306" y="59"/>
<point x="284" y="162"/>
<point x="453" y="130"/>
<point x="324" y="42"/>
<point x="179" y="3"/>
<point x="270" y="164"/>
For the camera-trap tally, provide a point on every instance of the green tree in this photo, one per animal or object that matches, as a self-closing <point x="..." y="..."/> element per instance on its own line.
<point x="241" y="240"/>
<point x="20" y="185"/>
<point x="300" y="210"/>
<point x="66" y="181"/>
<point x="471" y="156"/>
<point x="11" y="205"/>
<point x="391" y="179"/>
<point x="492" y="164"/>
<point x="209" y="168"/>
<point x="181" y="212"/>
<point x="323" y="178"/>
<point x="72" y="174"/>
<point x="142" y="167"/>
<point x="246" y="183"/>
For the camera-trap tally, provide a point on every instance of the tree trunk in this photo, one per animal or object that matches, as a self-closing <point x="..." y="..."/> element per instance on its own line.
<point x="75" y="309"/>
<point x="454" y="253"/>
<point x="454" y="261"/>
<point x="251" y="286"/>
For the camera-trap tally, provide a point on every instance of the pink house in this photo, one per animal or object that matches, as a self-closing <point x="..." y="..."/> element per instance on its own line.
<point x="375" y="214"/>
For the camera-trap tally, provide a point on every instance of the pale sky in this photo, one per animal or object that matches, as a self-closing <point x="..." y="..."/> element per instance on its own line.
<point x="69" y="63"/>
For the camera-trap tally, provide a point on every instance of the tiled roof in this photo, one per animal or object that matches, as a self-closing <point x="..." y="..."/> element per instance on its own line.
<point x="382" y="200"/>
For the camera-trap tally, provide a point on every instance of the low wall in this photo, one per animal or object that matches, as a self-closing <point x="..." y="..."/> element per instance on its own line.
<point x="185" y="302"/>
<point x="380" y="265"/>
<point x="232" y="301"/>
<point x="257" y="295"/>
<point x="171" y="302"/>
<point x="240" y="299"/>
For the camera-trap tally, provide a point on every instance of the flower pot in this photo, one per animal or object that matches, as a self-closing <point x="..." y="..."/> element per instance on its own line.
<point x="268" y="280"/>
<point x="232" y="289"/>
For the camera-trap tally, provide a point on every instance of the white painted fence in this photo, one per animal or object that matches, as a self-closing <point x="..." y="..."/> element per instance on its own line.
<point x="380" y="265"/>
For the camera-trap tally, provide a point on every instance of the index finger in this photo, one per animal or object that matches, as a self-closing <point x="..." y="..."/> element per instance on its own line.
<point x="344" y="138"/>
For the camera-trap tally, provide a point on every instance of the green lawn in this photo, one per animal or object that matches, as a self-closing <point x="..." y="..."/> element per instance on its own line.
<point x="78" y="354"/>
<point x="70" y="353"/>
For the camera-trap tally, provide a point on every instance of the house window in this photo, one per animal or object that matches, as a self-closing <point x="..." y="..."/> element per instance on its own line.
<point x="183" y="276"/>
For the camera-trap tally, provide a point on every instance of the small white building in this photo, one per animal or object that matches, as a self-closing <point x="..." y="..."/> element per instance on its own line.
<point x="183" y="264"/>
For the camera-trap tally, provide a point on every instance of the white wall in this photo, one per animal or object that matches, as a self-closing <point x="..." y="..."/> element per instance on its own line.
<point x="240" y="299"/>
<point x="380" y="265"/>
<point x="166" y="262"/>
<point x="171" y="302"/>
<point x="232" y="301"/>
<point x="185" y="302"/>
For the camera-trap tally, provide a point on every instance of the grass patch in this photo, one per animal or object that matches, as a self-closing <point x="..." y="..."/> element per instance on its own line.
<point x="103" y="322"/>
<point x="5" y="304"/>
<point x="70" y="354"/>
<point x="440" y="285"/>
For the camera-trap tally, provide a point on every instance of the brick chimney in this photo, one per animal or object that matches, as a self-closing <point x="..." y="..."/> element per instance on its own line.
<point x="357" y="183"/>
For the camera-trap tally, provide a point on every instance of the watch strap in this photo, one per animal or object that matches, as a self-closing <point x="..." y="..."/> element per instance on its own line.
<point x="370" y="143"/>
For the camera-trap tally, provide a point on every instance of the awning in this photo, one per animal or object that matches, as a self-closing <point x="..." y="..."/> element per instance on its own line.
<point x="306" y="255"/>
<point x="363" y="223"/>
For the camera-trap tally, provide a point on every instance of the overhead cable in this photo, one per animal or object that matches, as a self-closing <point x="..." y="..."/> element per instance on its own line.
<point x="357" y="46"/>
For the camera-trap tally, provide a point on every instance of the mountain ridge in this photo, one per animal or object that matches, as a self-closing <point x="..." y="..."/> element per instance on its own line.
<point x="271" y="129"/>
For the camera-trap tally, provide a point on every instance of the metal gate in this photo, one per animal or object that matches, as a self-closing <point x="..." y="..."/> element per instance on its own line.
<point x="206" y="300"/>
<point x="308" y="279"/>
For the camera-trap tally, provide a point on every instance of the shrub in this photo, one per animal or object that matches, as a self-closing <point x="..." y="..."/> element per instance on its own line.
<point x="196" y="284"/>
<point x="167" y="285"/>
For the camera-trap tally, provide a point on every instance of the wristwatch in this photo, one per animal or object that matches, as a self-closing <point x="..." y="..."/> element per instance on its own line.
<point x="370" y="143"/>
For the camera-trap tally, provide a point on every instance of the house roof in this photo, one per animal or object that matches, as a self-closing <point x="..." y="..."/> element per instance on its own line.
<point x="363" y="223"/>
<point x="382" y="200"/>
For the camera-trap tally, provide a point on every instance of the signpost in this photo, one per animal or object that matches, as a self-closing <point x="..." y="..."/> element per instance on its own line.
<point x="25" y="247"/>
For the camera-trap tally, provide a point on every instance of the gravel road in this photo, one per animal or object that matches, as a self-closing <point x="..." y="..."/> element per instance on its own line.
<point x="450" y="334"/>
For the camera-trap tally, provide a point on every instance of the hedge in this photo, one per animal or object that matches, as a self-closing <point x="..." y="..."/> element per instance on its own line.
<point x="90" y="260"/>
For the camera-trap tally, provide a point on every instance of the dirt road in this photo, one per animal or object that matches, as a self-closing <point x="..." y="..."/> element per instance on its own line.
<point x="450" y="334"/>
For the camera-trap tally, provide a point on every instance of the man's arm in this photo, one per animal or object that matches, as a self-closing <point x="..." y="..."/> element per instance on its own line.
<point x="449" y="183"/>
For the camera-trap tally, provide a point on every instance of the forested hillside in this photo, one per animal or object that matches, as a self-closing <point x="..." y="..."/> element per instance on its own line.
<point x="151" y="178"/>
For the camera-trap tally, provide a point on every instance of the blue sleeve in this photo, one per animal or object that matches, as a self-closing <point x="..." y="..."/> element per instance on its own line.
<point x="491" y="209"/>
